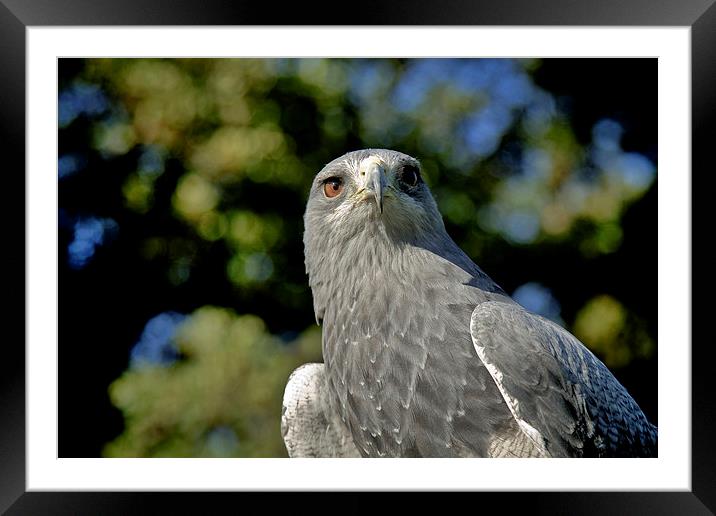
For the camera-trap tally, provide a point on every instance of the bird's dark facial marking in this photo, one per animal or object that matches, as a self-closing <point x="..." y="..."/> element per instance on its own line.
<point x="332" y="187"/>
<point x="409" y="177"/>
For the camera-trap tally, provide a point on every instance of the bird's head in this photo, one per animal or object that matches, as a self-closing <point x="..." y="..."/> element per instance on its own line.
<point x="374" y="190"/>
<point x="364" y="204"/>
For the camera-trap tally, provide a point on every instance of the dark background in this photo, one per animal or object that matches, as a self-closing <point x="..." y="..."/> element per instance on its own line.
<point x="108" y="295"/>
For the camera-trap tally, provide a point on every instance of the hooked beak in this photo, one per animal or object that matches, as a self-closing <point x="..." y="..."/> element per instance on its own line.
<point x="374" y="180"/>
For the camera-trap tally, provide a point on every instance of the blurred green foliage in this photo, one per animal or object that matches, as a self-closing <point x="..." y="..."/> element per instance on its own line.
<point x="227" y="148"/>
<point x="220" y="399"/>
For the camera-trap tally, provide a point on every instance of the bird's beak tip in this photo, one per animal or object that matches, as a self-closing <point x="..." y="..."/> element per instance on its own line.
<point x="379" y="201"/>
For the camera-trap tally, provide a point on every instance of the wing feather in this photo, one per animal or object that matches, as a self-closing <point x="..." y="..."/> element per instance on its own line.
<point x="308" y="427"/>
<point x="563" y="398"/>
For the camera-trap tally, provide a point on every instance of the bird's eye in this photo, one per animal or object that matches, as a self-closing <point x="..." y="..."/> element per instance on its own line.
<point x="410" y="175"/>
<point x="332" y="186"/>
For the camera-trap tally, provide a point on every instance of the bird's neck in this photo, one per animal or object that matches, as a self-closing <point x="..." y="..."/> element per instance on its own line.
<point x="374" y="258"/>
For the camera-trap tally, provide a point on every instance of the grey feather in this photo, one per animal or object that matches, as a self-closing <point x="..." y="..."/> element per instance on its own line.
<point x="396" y="298"/>
<point x="564" y="398"/>
<point x="307" y="427"/>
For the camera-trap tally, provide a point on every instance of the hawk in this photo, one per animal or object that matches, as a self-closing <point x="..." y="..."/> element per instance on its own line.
<point x="426" y="356"/>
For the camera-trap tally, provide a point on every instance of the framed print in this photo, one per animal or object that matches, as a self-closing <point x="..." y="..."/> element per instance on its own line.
<point x="163" y="230"/>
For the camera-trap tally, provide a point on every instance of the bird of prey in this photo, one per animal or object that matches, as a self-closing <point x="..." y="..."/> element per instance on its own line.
<point x="424" y="355"/>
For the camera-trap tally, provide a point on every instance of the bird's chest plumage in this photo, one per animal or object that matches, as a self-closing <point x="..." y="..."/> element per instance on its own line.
<point x="402" y="371"/>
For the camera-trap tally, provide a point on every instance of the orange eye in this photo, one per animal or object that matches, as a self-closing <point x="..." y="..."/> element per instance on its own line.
<point x="333" y="186"/>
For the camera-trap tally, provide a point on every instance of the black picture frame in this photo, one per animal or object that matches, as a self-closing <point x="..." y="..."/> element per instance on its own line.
<point x="17" y="15"/>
